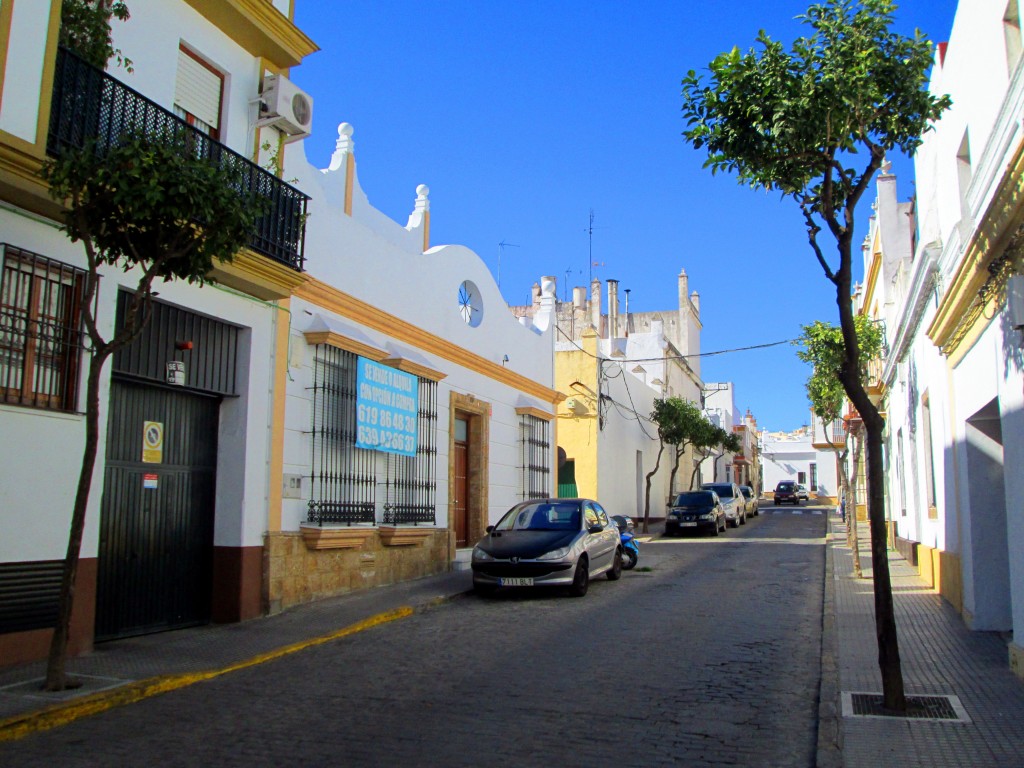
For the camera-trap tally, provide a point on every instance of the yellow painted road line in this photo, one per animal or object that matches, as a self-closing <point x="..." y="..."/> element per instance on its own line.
<point x="19" y="726"/>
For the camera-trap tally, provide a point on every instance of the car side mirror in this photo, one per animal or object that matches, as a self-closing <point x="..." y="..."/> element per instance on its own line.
<point x="489" y="528"/>
<point x="595" y="529"/>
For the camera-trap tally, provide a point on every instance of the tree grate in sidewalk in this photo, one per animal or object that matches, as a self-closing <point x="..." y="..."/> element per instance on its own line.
<point x="944" y="708"/>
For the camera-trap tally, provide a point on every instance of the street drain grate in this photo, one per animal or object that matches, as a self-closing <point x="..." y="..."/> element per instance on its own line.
<point x="942" y="708"/>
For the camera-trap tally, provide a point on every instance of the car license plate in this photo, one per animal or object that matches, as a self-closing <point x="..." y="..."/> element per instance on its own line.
<point x="517" y="581"/>
<point x="688" y="525"/>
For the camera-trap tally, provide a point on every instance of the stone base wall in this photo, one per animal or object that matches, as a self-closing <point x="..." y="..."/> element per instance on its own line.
<point x="294" y="573"/>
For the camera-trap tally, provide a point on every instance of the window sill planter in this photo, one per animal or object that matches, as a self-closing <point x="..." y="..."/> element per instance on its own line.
<point x="391" y="536"/>
<point x="335" y="538"/>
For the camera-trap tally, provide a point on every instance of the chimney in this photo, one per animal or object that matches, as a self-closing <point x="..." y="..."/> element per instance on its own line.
<point x="579" y="297"/>
<point x="613" y="309"/>
<point x="595" y="304"/>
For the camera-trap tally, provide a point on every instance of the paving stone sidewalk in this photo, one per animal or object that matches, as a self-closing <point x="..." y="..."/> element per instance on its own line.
<point x="939" y="656"/>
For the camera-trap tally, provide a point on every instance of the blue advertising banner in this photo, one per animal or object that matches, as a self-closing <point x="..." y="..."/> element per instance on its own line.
<point x="387" y="408"/>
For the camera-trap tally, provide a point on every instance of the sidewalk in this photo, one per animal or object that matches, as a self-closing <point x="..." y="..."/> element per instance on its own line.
<point x="939" y="655"/>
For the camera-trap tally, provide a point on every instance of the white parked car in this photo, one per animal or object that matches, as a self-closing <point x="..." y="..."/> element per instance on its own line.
<point x="733" y="501"/>
<point x="801" y="493"/>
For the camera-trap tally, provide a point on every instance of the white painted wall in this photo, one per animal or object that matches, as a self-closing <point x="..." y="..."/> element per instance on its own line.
<point x="381" y="262"/>
<point x="626" y="432"/>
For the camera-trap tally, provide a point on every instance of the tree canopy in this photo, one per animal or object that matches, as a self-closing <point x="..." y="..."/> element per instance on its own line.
<point x="823" y="347"/>
<point x="815" y="122"/>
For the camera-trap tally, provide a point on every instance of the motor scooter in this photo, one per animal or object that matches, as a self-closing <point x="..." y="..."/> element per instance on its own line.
<point x="630" y="547"/>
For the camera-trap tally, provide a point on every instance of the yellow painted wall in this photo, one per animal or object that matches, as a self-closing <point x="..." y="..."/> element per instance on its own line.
<point x="577" y="428"/>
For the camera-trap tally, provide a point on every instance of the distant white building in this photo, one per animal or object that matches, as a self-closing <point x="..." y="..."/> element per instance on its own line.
<point x="797" y="456"/>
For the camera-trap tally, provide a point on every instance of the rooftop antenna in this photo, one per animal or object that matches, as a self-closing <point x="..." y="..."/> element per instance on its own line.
<point x="565" y="288"/>
<point x="590" y="236"/>
<point x="501" y="249"/>
<point x="590" y="233"/>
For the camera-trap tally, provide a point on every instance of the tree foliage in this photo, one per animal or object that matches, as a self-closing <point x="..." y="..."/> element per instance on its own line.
<point x="85" y="29"/>
<point x="823" y="347"/>
<point x="149" y="200"/>
<point x="798" y="121"/>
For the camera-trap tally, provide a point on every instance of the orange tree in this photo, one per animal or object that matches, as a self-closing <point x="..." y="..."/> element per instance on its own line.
<point x="814" y="123"/>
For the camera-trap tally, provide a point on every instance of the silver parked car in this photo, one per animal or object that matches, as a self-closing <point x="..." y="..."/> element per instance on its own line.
<point x="751" y="497"/>
<point x="548" y="542"/>
<point x="733" y="502"/>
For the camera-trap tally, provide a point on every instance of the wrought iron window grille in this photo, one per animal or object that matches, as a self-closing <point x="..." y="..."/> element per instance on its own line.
<point x="345" y="478"/>
<point x="535" y="443"/>
<point x="41" y="331"/>
<point x="410" y="483"/>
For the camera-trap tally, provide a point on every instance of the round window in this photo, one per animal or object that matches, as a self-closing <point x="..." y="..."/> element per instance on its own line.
<point x="470" y="306"/>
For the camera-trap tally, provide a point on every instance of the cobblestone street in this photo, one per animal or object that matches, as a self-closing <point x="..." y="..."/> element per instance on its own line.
<point x="711" y="657"/>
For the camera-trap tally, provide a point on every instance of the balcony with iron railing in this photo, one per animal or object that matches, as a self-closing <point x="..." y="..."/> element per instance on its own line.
<point x="875" y="381"/>
<point x="89" y="105"/>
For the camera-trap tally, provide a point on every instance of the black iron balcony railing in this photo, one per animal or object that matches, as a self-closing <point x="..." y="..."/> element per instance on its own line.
<point x="88" y="104"/>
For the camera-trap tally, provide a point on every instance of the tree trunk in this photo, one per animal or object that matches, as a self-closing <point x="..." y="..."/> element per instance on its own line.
<point x="853" y="537"/>
<point x="885" y="617"/>
<point x="647" y="490"/>
<point x="850" y="375"/>
<point x="56" y="667"/>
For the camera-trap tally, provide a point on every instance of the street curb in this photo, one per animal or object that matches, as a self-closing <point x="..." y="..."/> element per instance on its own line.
<point x="829" y="753"/>
<point x="19" y="726"/>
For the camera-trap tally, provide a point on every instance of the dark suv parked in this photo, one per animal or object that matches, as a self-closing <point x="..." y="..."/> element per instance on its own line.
<point x="786" y="491"/>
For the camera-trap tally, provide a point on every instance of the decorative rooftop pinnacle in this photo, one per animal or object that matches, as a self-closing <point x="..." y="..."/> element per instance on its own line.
<point x="422" y="198"/>
<point x="344" y="143"/>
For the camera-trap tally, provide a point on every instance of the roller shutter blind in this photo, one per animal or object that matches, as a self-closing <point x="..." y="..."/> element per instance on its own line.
<point x="197" y="90"/>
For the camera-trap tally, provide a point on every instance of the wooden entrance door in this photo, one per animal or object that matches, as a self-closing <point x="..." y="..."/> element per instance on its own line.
<point x="460" y="469"/>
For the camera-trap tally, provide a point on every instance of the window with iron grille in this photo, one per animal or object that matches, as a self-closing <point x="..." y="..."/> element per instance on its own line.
<point x="410" y="481"/>
<point x="344" y="477"/>
<point x="40" y="330"/>
<point x="536" y="456"/>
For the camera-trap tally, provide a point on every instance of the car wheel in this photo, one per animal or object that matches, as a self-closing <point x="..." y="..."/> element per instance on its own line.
<point x="715" y="532"/>
<point x="743" y="519"/>
<point x="630" y="562"/>
<point x="581" y="579"/>
<point x="615" y="572"/>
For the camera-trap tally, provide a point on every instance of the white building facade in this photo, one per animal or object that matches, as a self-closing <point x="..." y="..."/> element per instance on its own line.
<point x="346" y="407"/>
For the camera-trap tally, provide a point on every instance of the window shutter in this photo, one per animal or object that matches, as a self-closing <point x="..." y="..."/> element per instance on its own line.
<point x="197" y="90"/>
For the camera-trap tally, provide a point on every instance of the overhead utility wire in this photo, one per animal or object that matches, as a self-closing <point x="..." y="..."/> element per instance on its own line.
<point x="677" y="357"/>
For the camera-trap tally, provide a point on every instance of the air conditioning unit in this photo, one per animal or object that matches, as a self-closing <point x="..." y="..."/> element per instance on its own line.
<point x="286" y="107"/>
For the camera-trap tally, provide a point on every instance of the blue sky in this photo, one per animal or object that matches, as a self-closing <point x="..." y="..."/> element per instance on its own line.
<point x="521" y="117"/>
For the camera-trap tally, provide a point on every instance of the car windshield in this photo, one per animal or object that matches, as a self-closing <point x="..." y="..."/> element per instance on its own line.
<point x="785" y="487"/>
<point x="542" y="516"/>
<point x="724" y="491"/>
<point x="693" y="498"/>
<point x="747" y="492"/>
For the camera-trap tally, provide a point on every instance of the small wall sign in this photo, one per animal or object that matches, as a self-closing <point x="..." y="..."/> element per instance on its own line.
<point x="152" y="442"/>
<point x="150" y="482"/>
<point x="176" y="373"/>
